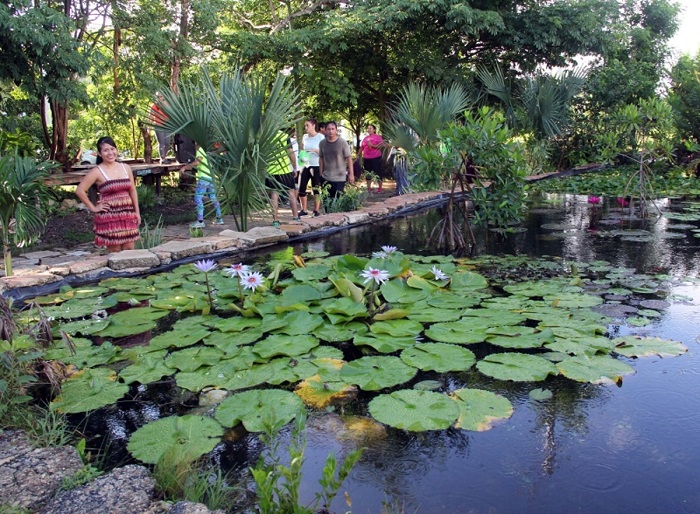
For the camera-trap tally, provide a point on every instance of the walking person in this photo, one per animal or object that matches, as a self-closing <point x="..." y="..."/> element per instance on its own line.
<point x="335" y="160"/>
<point x="310" y="172"/>
<point x="281" y="178"/>
<point x="117" y="216"/>
<point x="205" y="186"/>
<point x="371" y="154"/>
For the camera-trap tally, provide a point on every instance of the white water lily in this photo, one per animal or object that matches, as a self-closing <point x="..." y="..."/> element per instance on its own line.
<point x="251" y="280"/>
<point x="237" y="270"/>
<point x="378" y="275"/>
<point x="389" y="249"/>
<point x="205" y="265"/>
<point x="380" y="255"/>
<point x="438" y="274"/>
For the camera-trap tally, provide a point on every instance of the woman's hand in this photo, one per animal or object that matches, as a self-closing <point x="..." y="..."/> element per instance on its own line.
<point x="102" y="207"/>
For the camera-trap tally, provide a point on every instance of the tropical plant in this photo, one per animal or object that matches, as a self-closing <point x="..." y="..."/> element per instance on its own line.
<point x="684" y="96"/>
<point x="23" y="200"/>
<point x="150" y="236"/>
<point x="239" y="124"/>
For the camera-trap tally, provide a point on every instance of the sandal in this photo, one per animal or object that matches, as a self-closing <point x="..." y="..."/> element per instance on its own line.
<point x="275" y="223"/>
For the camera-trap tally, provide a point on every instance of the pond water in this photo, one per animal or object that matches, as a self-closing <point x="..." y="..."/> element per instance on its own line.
<point x="633" y="447"/>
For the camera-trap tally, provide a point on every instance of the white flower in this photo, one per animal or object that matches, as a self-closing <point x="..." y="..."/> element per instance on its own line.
<point x="379" y="255"/>
<point x="237" y="270"/>
<point x="378" y="275"/>
<point x="389" y="249"/>
<point x="438" y="274"/>
<point x="251" y="280"/>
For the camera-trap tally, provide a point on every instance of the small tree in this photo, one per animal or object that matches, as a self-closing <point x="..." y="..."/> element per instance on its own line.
<point x="23" y="197"/>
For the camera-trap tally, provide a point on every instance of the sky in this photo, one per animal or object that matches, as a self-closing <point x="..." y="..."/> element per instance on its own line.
<point x="687" y="40"/>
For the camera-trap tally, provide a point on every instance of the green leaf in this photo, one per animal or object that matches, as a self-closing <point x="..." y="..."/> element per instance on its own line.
<point x="438" y="357"/>
<point x="319" y="393"/>
<point x="384" y="343"/>
<point x="88" y="390"/>
<point x="259" y="407"/>
<point x="148" y="368"/>
<point x="596" y="369"/>
<point x="465" y="282"/>
<point x="414" y="410"/>
<point x="479" y="409"/>
<point x="132" y="321"/>
<point x="374" y="373"/>
<point x="185" y="438"/>
<point x="397" y="328"/>
<point x="637" y="346"/>
<point x="518" y="367"/>
<point x="280" y="344"/>
<point x="191" y="359"/>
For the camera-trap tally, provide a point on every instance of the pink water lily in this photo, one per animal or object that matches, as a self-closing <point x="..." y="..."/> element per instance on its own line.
<point x="378" y="275"/>
<point x="251" y="280"/>
<point x="594" y="199"/>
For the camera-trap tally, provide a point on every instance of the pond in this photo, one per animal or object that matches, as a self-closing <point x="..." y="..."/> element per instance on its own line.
<point x="627" y="446"/>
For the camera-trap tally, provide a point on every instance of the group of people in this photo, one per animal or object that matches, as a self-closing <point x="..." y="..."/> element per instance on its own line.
<point x="326" y="158"/>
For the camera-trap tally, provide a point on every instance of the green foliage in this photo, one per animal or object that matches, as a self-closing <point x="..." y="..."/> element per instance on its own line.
<point x="684" y="96"/>
<point x="147" y="197"/>
<point x="278" y="486"/>
<point x="23" y="199"/>
<point x="245" y="115"/>
<point x="351" y="199"/>
<point x="151" y="236"/>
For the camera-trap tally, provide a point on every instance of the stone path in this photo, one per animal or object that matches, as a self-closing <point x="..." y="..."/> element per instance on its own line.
<point x="41" y="272"/>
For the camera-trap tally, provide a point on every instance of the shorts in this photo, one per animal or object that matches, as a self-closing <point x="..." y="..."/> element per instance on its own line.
<point x="282" y="182"/>
<point x="374" y="166"/>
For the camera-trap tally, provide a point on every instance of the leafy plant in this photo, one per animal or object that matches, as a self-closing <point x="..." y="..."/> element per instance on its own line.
<point x="351" y="199"/>
<point x="23" y="198"/>
<point x="278" y="486"/>
<point x="147" y="196"/>
<point x="151" y="236"/>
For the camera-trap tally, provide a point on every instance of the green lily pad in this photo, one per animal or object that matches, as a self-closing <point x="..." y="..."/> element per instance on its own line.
<point x="249" y="377"/>
<point x="259" y="407"/>
<point x="398" y="291"/>
<point x="573" y="300"/>
<point x="466" y="282"/>
<point x="132" y="321"/>
<point x="179" y="338"/>
<point x="280" y="344"/>
<point x="397" y="328"/>
<point x="86" y="354"/>
<point x="345" y="310"/>
<point x="237" y="324"/>
<point x="85" y="327"/>
<point x="76" y="308"/>
<point x="479" y="410"/>
<point x="319" y="393"/>
<point x="637" y="346"/>
<point x="596" y="369"/>
<point x="296" y="323"/>
<point x="518" y="367"/>
<point x="414" y="410"/>
<point x="422" y="312"/>
<point x="191" y="359"/>
<point x="303" y="293"/>
<point x="88" y="390"/>
<point x="540" y="395"/>
<point x="580" y="344"/>
<point x="465" y="331"/>
<point x="340" y="333"/>
<point x="440" y="357"/>
<point x="184" y="438"/>
<point x="384" y="343"/>
<point x="147" y="369"/>
<point x="374" y="373"/>
<point x="230" y="342"/>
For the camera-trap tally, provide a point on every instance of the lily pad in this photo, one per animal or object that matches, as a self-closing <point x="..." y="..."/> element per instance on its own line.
<point x="636" y="346"/>
<point x="384" y="343"/>
<point x="413" y="410"/>
<point x="397" y="328"/>
<point x="258" y="408"/>
<point x="88" y="390"/>
<point x="540" y="395"/>
<point x="319" y="393"/>
<point x="440" y="357"/>
<point x="518" y="367"/>
<point x="281" y="344"/>
<point x="479" y="410"/>
<point x="596" y="369"/>
<point x="149" y="368"/>
<point x="132" y="321"/>
<point x="185" y="438"/>
<point x="191" y="359"/>
<point x="339" y="333"/>
<point x="375" y="373"/>
<point x="465" y="331"/>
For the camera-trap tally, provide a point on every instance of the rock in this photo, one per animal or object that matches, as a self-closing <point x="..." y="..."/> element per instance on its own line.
<point x="70" y="204"/>
<point x="133" y="259"/>
<point x="181" y="249"/>
<point x="127" y="490"/>
<point x="30" y="477"/>
<point x="192" y="508"/>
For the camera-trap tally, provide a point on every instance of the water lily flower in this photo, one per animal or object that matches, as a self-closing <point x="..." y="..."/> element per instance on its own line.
<point x="378" y="275"/>
<point x="251" y="280"/>
<point x="594" y="199"/>
<point x="438" y="274"/>
<point x="389" y="249"/>
<point x="205" y="265"/>
<point x="237" y="270"/>
<point x="380" y="255"/>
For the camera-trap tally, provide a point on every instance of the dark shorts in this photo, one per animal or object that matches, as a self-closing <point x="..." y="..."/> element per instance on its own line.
<point x="281" y="182"/>
<point x="312" y="174"/>
<point x="374" y="166"/>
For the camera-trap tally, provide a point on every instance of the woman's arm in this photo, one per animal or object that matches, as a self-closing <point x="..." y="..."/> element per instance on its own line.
<point x="82" y="189"/>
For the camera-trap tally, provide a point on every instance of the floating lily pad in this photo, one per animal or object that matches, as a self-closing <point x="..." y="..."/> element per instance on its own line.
<point x="384" y="343"/>
<point x="237" y="324"/>
<point x="428" y="385"/>
<point x="88" y="390"/>
<point x="479" y="410"/>
<point x="374" y="373"/>
<point x="519" y="367"/>
<point x="339" y="333"/>
<point x="397" y="328"/>
<point x="596" y="369"/>
<point x="636" y="346"/>
<point x="147" y="369"/>
<point x="132" y="321"/>
<point x="465" y="331"/>
<point x="311" y="273"/>
<point x="319" y="393"/>
<point x="465" y="282"/>
<point x="416" y="411"/>
<point x="341" y="310"/>
<point x="398" y="291"/>
<point x="580" y="344"/>
<point x="440" y="357"/>
<point x="191" y="359"/>
<point x="638" y="321"/>
<point x="540" y="395"/>
<point x="281" y="344"/>
<point x="654" y="304"/>
<point x="184" y="438"/>
<point x="259" y="407"/>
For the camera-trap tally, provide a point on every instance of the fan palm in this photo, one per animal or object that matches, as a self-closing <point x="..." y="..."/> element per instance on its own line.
<point x="238" y="124"/>
<point x="23" y="197"/>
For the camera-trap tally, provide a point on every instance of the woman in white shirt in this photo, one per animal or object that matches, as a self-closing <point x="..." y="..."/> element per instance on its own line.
<point x="309" y="158"/>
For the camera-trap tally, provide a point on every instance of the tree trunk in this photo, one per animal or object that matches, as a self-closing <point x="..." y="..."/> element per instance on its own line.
<point x="147" y="147"/>
<point x="59" y="137"/>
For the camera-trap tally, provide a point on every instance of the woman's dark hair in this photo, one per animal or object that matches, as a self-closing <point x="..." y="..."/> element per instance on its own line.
<point x="315" y="123"/>
<point x="106" y="140"/>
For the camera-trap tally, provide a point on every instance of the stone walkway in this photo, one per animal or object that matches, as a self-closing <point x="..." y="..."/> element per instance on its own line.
<point x="45" y="271"/>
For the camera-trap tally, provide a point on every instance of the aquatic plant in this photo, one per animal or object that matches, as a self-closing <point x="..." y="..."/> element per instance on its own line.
<point x="207" y="266"/>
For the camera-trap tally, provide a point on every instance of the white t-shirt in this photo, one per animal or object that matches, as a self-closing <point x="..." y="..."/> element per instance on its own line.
<point x="311" y="143"/>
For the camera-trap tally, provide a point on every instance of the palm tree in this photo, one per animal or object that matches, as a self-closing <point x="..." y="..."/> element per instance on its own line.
<point x="23" y="197"/>
<point x="238" y="124"/>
